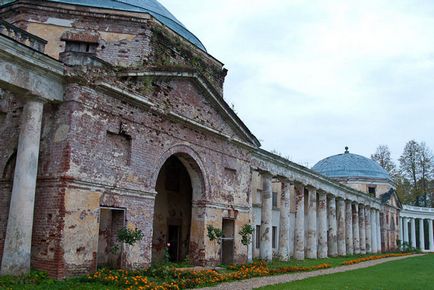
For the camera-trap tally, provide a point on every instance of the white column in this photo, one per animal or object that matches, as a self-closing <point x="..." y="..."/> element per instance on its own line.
<point x="413" y="233"/>
<point x="18" y="240"/>
<point x="341" y="227"/>
<point x="430" y="234"/>
<point x="284" y="221"/>
<point x="322" y="225"/>
<point x="362" y="228"/>
<point x="312" y="246"/>
<point x="332" y="231"/>
<point x="266" y="247"/>
<point x="299" y="222"/>
<point x="356" y="231"/>
<point x="373" y="231"/>
<point x="349" y="227"/>
<point x="401" y="231"/>
<point x="368" y="230"/>
<point x="421" y="235"/>
<point x="405" y="230"/>
<point x="377" y="215"/>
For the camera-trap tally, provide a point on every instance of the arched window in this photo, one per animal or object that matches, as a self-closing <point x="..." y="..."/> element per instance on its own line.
<point x="8" y="172"/>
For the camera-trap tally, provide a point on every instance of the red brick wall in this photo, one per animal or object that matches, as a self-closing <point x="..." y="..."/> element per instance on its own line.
<point x="77" y="150"/>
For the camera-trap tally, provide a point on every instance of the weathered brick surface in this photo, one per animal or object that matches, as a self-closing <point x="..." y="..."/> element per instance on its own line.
<point x="98" y="149"/>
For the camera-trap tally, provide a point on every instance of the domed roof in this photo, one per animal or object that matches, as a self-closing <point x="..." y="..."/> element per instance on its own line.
<point x="351" y="166"/>
<point x="142" y="6"/>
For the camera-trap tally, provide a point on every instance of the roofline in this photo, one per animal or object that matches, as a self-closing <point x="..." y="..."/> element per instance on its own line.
<point x="121" y="13"/>
<point x="179" y="22"/>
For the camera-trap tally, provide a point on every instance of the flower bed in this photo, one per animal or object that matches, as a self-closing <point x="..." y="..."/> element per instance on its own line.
<point x="175" y="279"/>
<point x="370" y="258"/>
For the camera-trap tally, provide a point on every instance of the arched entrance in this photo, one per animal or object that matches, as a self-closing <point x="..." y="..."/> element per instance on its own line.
<point x="179" y="183"/>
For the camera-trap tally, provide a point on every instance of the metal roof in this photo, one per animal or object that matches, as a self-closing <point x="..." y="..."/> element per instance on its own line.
<point x="152" y="7"/>
<point x="350" y="165"/>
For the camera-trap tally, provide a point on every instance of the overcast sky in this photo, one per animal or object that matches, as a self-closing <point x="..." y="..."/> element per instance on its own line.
<point x="311" y="77"/>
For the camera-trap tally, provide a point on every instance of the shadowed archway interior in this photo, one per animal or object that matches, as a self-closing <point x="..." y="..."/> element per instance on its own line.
<point x="172" y="212"/>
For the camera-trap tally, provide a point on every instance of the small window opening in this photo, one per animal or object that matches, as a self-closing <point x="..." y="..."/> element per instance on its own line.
<point x="258" y="237"/>
<point x="274" y="199"/>
<point x="274" y="237"/>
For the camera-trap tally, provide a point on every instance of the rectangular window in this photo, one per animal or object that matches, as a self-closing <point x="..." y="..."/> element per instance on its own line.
<point x="258" y="237"/>
<point x="274" y="199"/>
<point x="371" y="190"/>
<point x="274" y="237"/>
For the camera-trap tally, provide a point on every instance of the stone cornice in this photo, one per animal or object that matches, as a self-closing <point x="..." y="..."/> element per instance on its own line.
<point x="28" y="72"/>
<point x="293" y="171"/>
<point x="71" y="182"/>
<point x="30" y="56"/>
<point x="409" y="211"/>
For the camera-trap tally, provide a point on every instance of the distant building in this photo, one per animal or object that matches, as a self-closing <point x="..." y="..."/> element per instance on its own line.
<point x="367" y="176"/>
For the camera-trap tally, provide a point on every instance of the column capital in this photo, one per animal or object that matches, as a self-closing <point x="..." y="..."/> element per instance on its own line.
<point x="284" y="179"/>
<point x="330" y="195"/>
<point x="265" y="173"/>
<point x="298" y="183"/>
<point x="310" y="187"/>
<point x="321" y="191"/>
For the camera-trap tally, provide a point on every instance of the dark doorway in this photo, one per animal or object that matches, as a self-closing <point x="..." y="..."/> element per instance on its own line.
<point x="111" y="220"/>
<point x="172" y="212"/>
<point x="174" y="242"/>
<point x="228" y="241"/>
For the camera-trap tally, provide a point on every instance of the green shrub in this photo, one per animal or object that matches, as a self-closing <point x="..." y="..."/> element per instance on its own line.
<point x="130" y="237"/>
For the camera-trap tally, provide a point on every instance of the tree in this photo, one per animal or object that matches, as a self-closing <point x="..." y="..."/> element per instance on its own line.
<point x="382" y="156"/>
<point x="416" y="165"/>
<point x="426" y="165"/>
<point x="404" y="190"/>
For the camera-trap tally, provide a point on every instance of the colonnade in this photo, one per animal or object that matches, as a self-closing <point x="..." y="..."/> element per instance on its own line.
<point x="425" y="229"/>
<point x="325" y="225"/>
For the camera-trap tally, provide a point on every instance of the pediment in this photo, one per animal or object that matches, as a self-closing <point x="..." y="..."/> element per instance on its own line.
<point x="391" y="198"/>
<point x="191" y="99"/>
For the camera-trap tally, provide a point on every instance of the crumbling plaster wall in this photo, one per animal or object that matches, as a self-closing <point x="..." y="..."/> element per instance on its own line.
<point x="151" y="136"/>
<point x="99" y="150"/>
<point x="390" y="225"/>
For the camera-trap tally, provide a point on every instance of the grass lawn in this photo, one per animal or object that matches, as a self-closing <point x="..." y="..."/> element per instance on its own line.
<point x="38" y="280"/>
<point x="337" y="261"/>
<point x="411" y="273"/>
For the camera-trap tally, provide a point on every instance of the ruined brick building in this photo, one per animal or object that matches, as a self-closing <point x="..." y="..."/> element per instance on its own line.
<point x="112" y="115"/>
